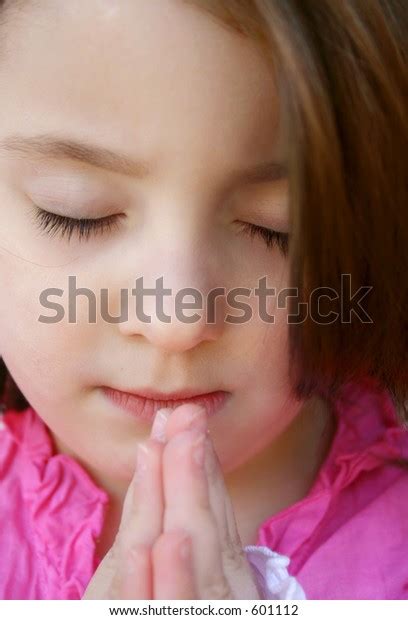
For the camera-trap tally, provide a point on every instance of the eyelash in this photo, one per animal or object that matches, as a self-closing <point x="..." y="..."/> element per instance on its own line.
<point x="54" y="224"/>
<point x="271" y="237"/>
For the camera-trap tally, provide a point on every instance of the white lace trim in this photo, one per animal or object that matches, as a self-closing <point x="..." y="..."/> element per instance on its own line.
<point x="272" y="577"/>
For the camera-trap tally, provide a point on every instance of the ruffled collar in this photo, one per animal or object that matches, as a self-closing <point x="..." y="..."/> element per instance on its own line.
<point x="368" y="433"/>
<point x="67" y="509"/>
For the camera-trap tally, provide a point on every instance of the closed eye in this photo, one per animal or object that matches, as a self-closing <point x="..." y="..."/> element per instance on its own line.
<point x="62" y="226"/>
<point x="271" y="237"/>
<point x="65" y="227"/>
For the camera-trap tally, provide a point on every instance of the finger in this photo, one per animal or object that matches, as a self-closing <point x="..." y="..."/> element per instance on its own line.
<point x="185" y="417"/>
<point x="173" y="571"/>
<point x="158" y="431"/>
<point x="136" y="578"/>
<point x="143" y="505"/>
<point x="120" y="576"/>
<point x="187" y="508"/>
<point x="145" y="494"/>
<point x="181" y="419"/>
<point x="235" y="563"/>
<point x="126" y="570"/>
<point x="141" y="523"/>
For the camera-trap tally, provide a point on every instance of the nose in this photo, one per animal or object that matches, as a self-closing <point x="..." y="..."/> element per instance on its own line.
<point x="173" y="320"/>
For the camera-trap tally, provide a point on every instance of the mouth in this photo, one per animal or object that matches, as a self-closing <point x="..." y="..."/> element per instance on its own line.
<point x="144" y="404"/>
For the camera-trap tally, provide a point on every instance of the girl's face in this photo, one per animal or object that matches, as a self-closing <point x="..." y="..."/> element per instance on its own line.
<point x="194" y="107"/>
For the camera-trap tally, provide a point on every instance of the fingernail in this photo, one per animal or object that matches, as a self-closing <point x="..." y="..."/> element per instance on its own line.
<point x="141" y="460"/>
<point x="158" y="431"/>
<point x="197" y="419"/>
<point x="199" y="450"/>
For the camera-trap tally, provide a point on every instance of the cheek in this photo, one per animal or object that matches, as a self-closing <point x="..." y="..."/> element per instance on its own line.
<point x="18" y="304"/>
<point x="263" y="404"/>
<point x="266" y="362"/>
<point x="262" y="341"/>
<point x="44" y="358"/>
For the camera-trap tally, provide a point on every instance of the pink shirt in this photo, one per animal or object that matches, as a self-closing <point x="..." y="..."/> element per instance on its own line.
<point x="346" y="539"/>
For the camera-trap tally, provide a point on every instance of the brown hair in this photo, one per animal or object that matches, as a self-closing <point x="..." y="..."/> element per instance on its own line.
<point x="342" y="77"/>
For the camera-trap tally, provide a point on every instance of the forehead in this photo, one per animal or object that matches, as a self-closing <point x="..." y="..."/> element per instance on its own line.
<point x="124" y="73"/>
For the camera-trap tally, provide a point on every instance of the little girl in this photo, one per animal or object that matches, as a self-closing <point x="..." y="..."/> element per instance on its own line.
<point x="155" y="447"/>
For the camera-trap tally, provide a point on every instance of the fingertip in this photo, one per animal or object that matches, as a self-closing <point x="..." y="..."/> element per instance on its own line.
<point x="158" y="431"/>
<point x="185" y="417"/>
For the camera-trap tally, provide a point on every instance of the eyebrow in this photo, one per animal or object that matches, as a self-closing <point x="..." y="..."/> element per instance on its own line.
<point x="53" y="147"/>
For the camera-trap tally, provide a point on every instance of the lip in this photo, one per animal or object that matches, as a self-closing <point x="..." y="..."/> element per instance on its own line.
<point x="144" y="404"/>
